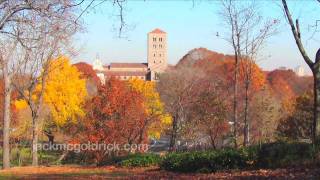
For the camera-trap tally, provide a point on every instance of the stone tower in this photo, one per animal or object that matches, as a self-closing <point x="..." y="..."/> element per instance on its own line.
<point x="157" y="53"/>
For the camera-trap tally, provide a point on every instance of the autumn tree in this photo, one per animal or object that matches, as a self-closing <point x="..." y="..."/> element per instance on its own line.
<point x="64" y="93"/>
<point x="18" y="18"/>
<point x="313" y="65"/>
<point x="286" y="84"/>
<point x="115" y="115"/>
<point x="156" y="118"/>
<point x="209" y="113"/>
<point x="87" y="73"/>
<point x="253" y="80"/>
<point x="296" y="125"/>
<point x="264" y="114"/>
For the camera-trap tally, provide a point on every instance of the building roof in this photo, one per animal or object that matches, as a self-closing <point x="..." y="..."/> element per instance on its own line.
<point x="158" y="31"/>
<point x="128" y="65"/>
<point x="126" y="73"/>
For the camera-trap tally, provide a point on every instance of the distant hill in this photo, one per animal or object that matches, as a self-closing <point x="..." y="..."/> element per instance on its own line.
<point x="284" y="83"/>
<point x="200" y="54"/>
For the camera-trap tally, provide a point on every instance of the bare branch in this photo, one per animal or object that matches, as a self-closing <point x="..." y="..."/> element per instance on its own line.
<point x="296" y="35"/>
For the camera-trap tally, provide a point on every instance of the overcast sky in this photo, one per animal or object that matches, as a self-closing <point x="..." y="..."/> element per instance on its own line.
<point x="189" y="26"/>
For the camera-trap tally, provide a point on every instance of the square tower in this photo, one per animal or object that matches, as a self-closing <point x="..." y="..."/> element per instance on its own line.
<point x="157" y="52"/>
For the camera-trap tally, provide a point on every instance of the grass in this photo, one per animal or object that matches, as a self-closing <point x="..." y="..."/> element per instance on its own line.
<point x="112" y="172"/>
<point x="61" y="172"/>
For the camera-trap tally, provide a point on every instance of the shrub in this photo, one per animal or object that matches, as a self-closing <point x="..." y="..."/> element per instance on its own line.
<point x="140" y="160"/>
<point x="20" y="156"/>
<point x="282" y="154"/>
<point x="205" y="161"/>
<point x="271" y="155"/>
<point x="81" y="158"/>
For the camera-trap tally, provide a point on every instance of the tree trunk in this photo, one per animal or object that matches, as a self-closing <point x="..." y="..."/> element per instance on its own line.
<point x="34" y="139"/>
<point x="316" y="111"/>
<point x="246" y="137"/>
<point x="50" y="136"/>
<point x="314" y="66"/>
<point x="173" y="134"/>
<point x="212" y="139"/>
<point x="235" y="102"/>
<point x="6" y="118"/>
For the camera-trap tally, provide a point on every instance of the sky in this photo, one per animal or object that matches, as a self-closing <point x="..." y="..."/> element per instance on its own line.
<point x="189" y="25"/>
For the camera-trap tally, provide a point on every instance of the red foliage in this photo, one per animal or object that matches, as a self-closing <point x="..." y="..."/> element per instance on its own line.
<point x="87" y="72"/>
<point x="115" y="115"/>
<point x="286" y="84"/>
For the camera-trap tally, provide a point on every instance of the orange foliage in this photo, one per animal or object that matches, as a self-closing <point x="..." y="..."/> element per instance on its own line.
<point x="87" y="72"/>
<point x="115" y="115"/>
<point x="285" y="84"/>
<point x="224" y="66"/>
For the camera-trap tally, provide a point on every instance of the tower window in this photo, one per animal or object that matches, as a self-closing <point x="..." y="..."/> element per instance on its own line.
<point x="154" y="61"/>
<point x="160" y="45"/>
<point x="154" y="46"/>
<point x="154" y="39"/>
<point x="154" y="55"/>
<point x="159" y="55"/>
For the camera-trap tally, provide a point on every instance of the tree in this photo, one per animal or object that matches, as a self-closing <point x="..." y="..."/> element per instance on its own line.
<point x="64" y="92"/>
<point x="253" y="80"/>
<point x="156" y="120"/>
<point x="247" y="35"/>
<point x="314" y="66"/>
<point x="297" y="124"/>
<point x="179" y="89"/>
<point x="43" y="39"/>
<point x="17" y="18"/>
<point x="265" y="112"/>
<point x="115" y="115"/>
<point x="92" y="80"/>
<point x="209" y="113"/>
<point x="13" y="107"/>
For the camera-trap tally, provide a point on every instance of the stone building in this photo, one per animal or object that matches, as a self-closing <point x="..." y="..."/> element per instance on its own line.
<point x="299" y="70"/>
<point x="156" y="62"/>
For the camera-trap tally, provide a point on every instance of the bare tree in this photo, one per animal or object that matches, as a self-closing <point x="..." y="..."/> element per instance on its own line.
<point x="248" y="32"/>
<point x="6" y="51"/>
<point x="256" y="34"/>
<point x="313" y="65"/>
<point x="47" y="39"/>
<point x="7" y="14"/>
<point x="177" y="90"/>
<point x="236" y="21"/>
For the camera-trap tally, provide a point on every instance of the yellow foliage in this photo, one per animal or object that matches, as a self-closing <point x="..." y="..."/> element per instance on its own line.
<point x="64" y="92"/>
<point x="153" y="104"/>
<point x="20" y="104"/>
<point x="166" y="119"/>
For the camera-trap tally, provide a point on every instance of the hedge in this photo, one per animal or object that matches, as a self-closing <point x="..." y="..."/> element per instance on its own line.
<point x="271" y="155"/>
